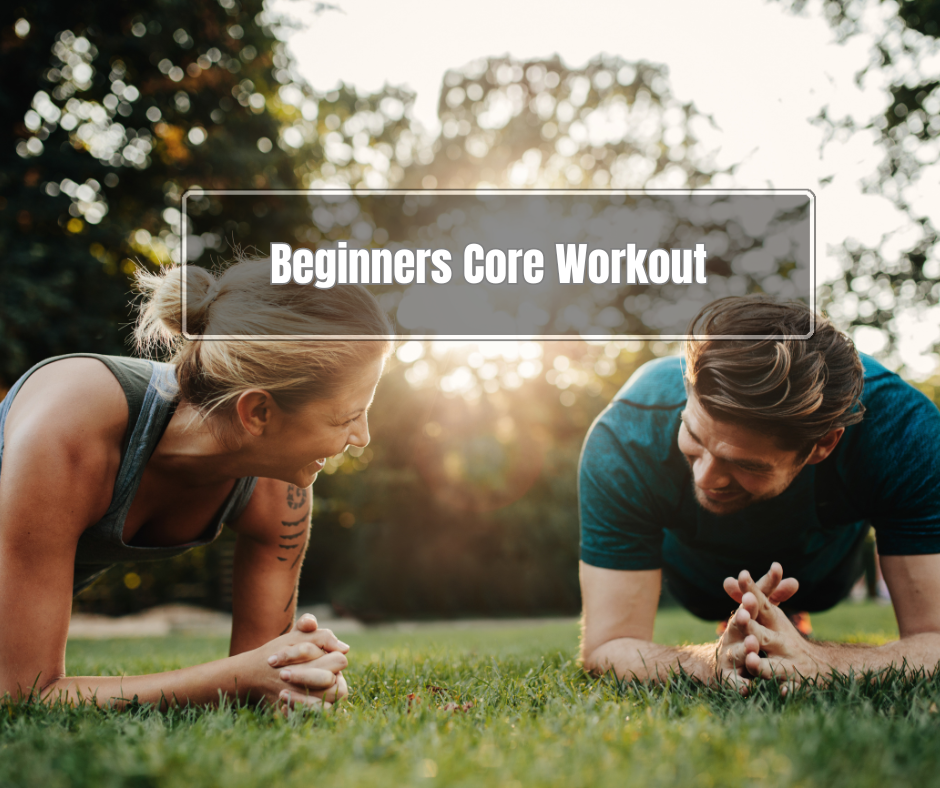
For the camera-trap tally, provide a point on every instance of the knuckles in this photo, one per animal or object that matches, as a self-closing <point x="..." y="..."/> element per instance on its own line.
<point x="308" y="651"/>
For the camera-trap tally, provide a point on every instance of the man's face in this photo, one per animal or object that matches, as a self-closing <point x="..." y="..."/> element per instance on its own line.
<point x="732" y="467"/>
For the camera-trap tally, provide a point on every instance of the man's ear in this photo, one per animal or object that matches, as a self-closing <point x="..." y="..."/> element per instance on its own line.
<point x="825" y="446"/>
<point x="255" y="409"/>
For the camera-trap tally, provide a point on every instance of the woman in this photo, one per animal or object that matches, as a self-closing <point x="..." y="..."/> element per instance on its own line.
<point x="106" y="459"/>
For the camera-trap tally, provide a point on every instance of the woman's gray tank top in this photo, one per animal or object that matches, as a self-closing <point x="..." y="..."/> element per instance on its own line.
<point x="146" y="385"/>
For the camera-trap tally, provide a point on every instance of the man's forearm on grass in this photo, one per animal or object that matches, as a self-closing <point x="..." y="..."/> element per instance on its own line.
<point x="915" y="652"/>
<point x="198" y="685"/>
<point x="633" y="658"/>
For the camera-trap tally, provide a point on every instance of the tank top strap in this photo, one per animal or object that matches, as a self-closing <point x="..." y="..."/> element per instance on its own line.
<point x="156" y="407"/>
<point x="134" y="376"/>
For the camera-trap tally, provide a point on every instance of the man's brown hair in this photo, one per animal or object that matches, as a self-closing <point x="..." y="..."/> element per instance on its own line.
<point x="795" y="390"/>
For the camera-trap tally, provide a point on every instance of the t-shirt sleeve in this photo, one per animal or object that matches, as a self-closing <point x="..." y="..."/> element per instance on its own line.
<point x="618" y="530"/>
<point x="905" y="450"/>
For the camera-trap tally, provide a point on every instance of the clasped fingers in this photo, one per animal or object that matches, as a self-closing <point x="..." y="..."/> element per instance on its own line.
<point x="319" y="674"/>
<point x="304" y="651"/>
<point x="770" y="668"/>
<point x="313" y="646"/>
<point x="306" y="623"/>
<point x="733" y="656"/>
<point x="327" y="641"/>
<point x="773" y="585"/>
<point x="731" y="669"/>
<point x="307" y="696"/>
<point x="761" y="638"/>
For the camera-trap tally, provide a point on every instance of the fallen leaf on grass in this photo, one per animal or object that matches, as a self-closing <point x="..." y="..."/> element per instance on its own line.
<point x="414" y="699"/>
<point x="455" y="707"/>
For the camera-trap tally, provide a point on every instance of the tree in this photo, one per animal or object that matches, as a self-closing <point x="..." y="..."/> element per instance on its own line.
<point x="898" y="276"/>
<point x="115" y="111"/>
<point x="469" y="502"/>
<point x="471" y="481"/>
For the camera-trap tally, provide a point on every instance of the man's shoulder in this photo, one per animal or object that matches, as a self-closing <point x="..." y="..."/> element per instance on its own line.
<point x="643" y="417"/>
<point x="883" y="384"/>
<point x="657" y="385"/>
<point x="891" y="403"/>
<point x="876" y="375"/>
<point x="889" y="465"/>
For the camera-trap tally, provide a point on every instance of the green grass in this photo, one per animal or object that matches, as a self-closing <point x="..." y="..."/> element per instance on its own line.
<point x="536" y="719"/>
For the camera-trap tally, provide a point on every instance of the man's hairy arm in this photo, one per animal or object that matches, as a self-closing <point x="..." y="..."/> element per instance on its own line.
<point x="617" y="629"/>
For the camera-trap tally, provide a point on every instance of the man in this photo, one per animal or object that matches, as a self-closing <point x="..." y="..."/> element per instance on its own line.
<point x="743" y="454"/>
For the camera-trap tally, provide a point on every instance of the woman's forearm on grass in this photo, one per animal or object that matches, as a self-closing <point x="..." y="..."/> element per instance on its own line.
<point x="633" y="658"/>
<point x="302" y="667"/>
<point x="197" y="685"/>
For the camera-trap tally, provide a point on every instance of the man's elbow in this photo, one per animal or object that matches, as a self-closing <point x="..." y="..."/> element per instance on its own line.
<point x="593" y="660"/>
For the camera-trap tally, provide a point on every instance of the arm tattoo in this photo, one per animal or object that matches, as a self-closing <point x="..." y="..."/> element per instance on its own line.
<point x="286" y="608"/>
<point x="296" y="496"/>
<point x="297" y="499"/>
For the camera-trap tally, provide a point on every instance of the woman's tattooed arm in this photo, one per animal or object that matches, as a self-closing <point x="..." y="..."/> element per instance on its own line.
<point x="297" y="496"/>
<point x="293" y="540"/>
<point x="272" y="539"/>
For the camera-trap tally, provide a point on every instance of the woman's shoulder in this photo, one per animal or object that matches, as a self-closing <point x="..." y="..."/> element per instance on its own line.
<point x="62" y="443"/>
<point x="74" y="401"/>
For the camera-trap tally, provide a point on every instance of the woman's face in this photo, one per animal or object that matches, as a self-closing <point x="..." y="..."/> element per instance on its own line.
<point x="302" y="441"/>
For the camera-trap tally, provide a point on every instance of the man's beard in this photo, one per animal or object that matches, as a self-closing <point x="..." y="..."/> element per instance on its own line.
<point x="743" y="500"/>
<point x="720" y="508"/>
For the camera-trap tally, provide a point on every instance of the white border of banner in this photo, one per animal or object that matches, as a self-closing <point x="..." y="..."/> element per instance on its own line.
<point x="514" y="192"/>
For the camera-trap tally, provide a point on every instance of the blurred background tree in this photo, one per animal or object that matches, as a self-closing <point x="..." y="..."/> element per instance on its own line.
<point x="897" y="279"/>
<point x="115" y="111"/>
<point x="466" y="502"/>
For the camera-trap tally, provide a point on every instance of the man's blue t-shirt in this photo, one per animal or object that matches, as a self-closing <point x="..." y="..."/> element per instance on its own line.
<point x="638" y="509"/>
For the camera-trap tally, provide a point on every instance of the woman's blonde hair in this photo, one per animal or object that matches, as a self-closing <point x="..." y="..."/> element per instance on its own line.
<point x="242" y="301"/>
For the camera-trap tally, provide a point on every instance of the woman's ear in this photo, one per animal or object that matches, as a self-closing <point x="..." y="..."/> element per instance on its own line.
<point x="255" y="409"/>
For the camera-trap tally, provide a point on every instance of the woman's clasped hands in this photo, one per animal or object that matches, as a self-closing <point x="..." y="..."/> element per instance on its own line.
<point x="301" y="669"/>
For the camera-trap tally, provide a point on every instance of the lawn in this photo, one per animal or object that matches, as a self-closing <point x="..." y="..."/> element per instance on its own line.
<point x="535" y="720"/>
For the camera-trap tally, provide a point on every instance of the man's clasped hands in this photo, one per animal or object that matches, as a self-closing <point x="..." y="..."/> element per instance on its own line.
<point x="760" y="640"/>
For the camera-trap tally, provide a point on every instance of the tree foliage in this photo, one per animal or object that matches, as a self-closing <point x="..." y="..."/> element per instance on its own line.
<point x="900" y="275"/>
<point x="117" y="109"/>
<point x="469" y="502"/>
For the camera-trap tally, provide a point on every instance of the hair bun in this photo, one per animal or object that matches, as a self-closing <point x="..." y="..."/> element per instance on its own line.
<point x="161" y="318"/>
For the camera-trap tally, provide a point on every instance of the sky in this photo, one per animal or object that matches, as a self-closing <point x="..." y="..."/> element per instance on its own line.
<point x="759" y="70"/>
